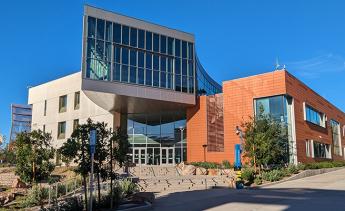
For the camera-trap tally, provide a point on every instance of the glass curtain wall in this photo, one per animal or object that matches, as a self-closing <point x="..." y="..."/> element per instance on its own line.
<point x="205" y="84"/>
<point x="125" y="54"/>
<point x="157" y="139"/>
<point x="280" y="109"/>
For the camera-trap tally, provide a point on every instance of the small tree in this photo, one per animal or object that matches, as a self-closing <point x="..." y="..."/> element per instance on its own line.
<point x="33" y="154"/>
<point x="265" y="141"/>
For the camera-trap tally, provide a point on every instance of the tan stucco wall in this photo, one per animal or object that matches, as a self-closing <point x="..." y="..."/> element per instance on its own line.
<point x="51" y="91"/>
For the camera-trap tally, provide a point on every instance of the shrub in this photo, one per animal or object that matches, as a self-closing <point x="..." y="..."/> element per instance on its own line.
<point x="248" y="174"/>
<point x="128" y="187"/>
<point x="206" y="165"/>
<point x="34" y="197"/>
<point x="258" y="180"/>
<point x="292" y="169"/>
<point x="274" y="175"/>
<point x="301" y="166"/>
<point x="226" y="164"/>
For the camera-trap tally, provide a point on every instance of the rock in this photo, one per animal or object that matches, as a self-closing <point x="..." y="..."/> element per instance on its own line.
<point x="17" y="183"/>
<point x="142" y="197"/>
<point x="227" y="172"/>
<point x="188" y="170"/>
<point x="10" y="197"/>
<point x="213" y="172"/>
<point x="200" y="171"/>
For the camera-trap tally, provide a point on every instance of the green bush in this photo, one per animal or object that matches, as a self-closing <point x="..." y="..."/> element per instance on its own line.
<point x="274" y="175"/>
<point x="258" y="180"/>
<point x="248" y="174"/>
<point x="292" y="169"/>
<point x="206" y="165"/>
<point x="34" y="197"/>
<point x="301" y="166"/>
<point x="226" y="164"/>
<point x="128" y="187"/>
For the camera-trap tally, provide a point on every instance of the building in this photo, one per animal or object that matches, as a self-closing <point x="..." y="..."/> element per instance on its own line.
<point x="316" y="128"/>
<point x="148" y="80"/>
<point x="20" y="120"/>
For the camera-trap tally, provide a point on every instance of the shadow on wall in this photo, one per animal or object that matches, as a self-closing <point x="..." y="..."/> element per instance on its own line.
<point x="275" y="199"/>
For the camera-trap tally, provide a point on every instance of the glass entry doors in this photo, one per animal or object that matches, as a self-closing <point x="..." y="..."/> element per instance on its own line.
<point x="167" y="155"/>
<point x="139" y="155"/>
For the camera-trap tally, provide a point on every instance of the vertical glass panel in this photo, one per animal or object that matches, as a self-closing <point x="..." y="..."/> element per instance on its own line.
<point x="108" y="47"/>
<point x="117" y="33"/>
<point x="177" y="47"/>
<point x="124" y="55"/>
<point x="125" y="35"/>
<point x="149" y="60"/>
<point x="184" y="49"/>
<point x="124" y="73"/>
<point x="191" y="85"/>
<point x="117" y="54"/>
<point x="133" y="75"/>
<point x="100" y="29"/>
<point x="190" y="68"/>
<point x="169" y="81"/>
<point x="156" y="42"/>
<point x="155" y="78"/>
<point x="163" y="44"/>
<point x="178" y="83"/>
<point x="177" y="66"/>
<point x="141" y="76"/>
<point x="148" y="77"/>
<point x="163" y="63"/>
<point x="107" y="71"/>
<point x="170" y="46"/>
<point x="108" y="31"/>
<point x="170" y="65"/>
<point x="100" y="49"/>
<point x="90" y="48"/>
<point x="116" y="72"/>
<point x="133" y="58"/>
<point x="141" y="58"/>
<point x="141" y="38"/>
<point x="91" y="24"/>
<point x="155" y="62"/>
<point x="134" y="38"/>
<point x="148" y="41"/>
<point x="190" y="51"/>
<point x="184" y="84"/>
<point x="184" y="67"/>
<point x="163" y="80"/>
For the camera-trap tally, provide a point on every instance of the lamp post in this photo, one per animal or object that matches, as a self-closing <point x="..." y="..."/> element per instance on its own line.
<point x="204" y="146"/>
<point x="181" y="145"/>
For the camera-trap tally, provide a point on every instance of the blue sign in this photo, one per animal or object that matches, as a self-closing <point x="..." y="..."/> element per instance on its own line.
<point x="93" y="136"/>
<point x="238" y="156"/>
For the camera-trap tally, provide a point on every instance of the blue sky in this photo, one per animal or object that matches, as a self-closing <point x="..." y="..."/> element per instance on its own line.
<point x="41" y="40"/>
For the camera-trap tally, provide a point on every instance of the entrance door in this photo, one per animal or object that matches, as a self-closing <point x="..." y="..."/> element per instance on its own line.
<point x="167" y="155"/>
<point x="139" y="155"/>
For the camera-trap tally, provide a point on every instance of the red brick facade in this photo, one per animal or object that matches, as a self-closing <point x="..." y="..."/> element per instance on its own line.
<point x="238" y="97"/>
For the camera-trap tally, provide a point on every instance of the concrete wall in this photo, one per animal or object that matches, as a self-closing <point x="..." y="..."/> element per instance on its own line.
<point x="51" y="91"/>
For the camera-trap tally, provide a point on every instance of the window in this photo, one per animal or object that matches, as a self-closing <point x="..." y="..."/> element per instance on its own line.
<point x="45" y="108"/>
<point x="321" y="150"/>
<point x="117" y="33"/>
<point x="178" y="48"/>
<point x="314" y="116"/>
<point x="62" y="104"/>
<point x="100" y="29"/>
<point x="76" y="100"/>
<point x="307" y="148"/>
<point x="108" y="31"/>
<point x="156" y="42"/>
<point x="125" y="35"/>
<point x="141" y="39"/>
<point x="91" y="22"/>
<point x="148" y="41"/>
<point x="170" y="46"/>
<point x="75" y="124"/>
<point x="335" y="127"/>
<point x="163" y="44"/>
<point x="61" y="130"/>
<point x="134" y="38"/>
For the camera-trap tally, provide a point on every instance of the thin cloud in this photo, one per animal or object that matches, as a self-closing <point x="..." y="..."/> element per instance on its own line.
<point x="316" y="66"/>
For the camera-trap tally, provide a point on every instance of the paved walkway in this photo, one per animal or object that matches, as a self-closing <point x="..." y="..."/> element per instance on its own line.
<point x="324" y="192"/>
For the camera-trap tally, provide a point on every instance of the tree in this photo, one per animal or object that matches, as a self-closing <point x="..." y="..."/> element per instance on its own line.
<point x="118" y="146"/>
<point x="33" y="155"/>
<point x="265" y="141"/>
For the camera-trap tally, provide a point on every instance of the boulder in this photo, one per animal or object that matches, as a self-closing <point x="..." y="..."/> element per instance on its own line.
<point x="188" y="170"/>
<point x="213" y="172"/>
<point x="142" y="197"/>
<point x="200" y="171"/>
<point x="17" y="183"/>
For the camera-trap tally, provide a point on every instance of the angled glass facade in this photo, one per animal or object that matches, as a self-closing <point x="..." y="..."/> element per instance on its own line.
<point x="205" y="84"/>
<point x="116" y="52"/>
<point x="21" y="120"/>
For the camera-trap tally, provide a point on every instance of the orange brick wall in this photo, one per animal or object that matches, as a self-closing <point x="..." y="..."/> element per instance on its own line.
<point x="238" y="98"/>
